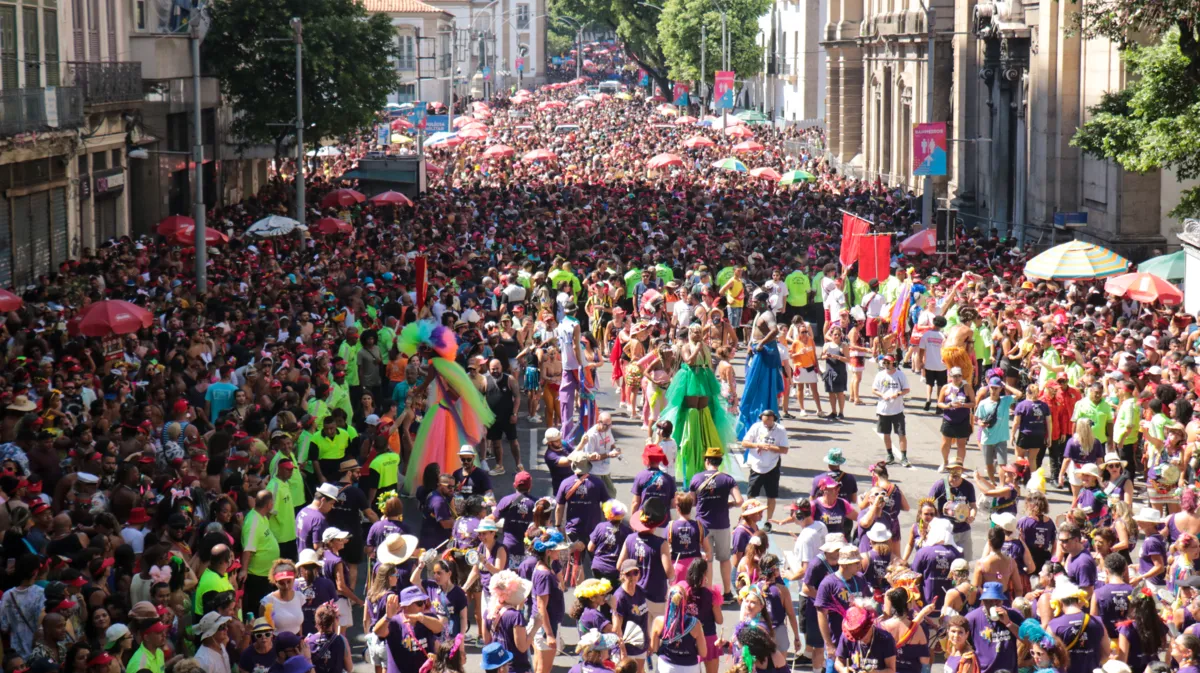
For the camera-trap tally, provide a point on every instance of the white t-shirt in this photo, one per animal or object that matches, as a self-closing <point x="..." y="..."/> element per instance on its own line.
<point x="835" y="301"/>
<point x="601" y="442"/>
<point x="778" y="294"/>
<point x="889" y="383"/>
<point x="288" y="616"/>
<point x="683" y="313"/>
<point x="134" y="538"/>
<point x="931" y="342"/>
<point x="873" y="304"/>
<point x="212" y="661"/>
<point x="808" y="545"/>
<point x="514" y="293"/>
<point x="764" y="461"/>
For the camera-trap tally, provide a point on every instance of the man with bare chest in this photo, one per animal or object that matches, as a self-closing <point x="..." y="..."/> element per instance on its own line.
<point x="764" y="371"/>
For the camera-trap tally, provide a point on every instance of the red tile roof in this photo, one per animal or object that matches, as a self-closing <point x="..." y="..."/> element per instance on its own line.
<point x="400" y="6"/>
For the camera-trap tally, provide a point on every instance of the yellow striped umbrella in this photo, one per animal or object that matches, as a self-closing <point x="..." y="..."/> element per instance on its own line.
<point x="1074" y="260"/>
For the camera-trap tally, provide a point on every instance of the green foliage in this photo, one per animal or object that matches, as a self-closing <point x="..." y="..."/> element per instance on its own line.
<point x="559" y="40"/>
<point x="348" y="71"/>
<point x="1155" y="121"/>
<point x="679" y="35"/>
<point x="635" y="23"/>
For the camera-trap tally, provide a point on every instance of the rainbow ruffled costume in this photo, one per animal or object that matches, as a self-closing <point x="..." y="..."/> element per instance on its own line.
<point x="457" y="413"/>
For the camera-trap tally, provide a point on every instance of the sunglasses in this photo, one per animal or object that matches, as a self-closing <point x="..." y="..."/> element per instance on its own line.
<point x="264" y="635"/>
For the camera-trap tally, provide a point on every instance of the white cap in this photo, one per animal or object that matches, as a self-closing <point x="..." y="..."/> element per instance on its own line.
<point x="329" y="491"/>
<point x="373" y="419"/>
<point x="333" y="533"/>
<point x="879" y="532"/>
<point x="552" y="434"/>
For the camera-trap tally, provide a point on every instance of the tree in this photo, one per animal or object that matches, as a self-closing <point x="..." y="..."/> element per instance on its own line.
<point x="679" y="35"/>
<point x="348" y="66"/>
<point x="634" y="21"/>
<point x="1154" y="122"/>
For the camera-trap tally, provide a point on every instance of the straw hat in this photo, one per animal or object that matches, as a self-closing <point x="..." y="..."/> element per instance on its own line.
<point x="396" y="549"/>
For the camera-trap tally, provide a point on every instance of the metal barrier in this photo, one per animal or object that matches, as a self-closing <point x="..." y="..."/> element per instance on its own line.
<point x="105" y="83"/>
<point x="29" y="110"/>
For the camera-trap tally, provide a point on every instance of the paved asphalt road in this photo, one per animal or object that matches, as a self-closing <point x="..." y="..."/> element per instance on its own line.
<point x="810" y="439"/>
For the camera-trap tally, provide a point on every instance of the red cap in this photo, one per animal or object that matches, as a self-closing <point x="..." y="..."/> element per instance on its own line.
<point x="180" y="406"/>
<point x="65" y="604"/>
<point x="145" y="459"/>
<point x="38" y="506"/>
<point x="102" y="659"/>
<point x="138" y="515"/>
<point x="200" y="457"/>
<point x="522" y="479"/>
<point x="156" y="627"/>
<point x="288" y="463"/>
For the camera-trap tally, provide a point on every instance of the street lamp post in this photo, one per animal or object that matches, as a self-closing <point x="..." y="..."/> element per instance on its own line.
<point x="198" y="155"/>
<point x="298" y="35"/>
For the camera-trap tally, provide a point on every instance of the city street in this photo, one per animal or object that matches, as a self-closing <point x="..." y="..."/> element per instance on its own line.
<point x="810" y="439"/>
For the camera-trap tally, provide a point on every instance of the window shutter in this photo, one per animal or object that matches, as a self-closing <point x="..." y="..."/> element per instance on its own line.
<point x="93" y="31"/>
<point x="112" y="30"/>
<point x="9" y="75"/>
<point x="50" y="28"/>
<point x="78" y="12"/>
<point x="33" y="54"/>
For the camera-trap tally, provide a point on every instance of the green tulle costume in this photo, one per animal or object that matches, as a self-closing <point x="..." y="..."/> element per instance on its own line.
<point x="695" y="430"/>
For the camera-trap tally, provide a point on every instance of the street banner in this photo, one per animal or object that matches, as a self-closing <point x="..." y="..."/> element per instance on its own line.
<point x="421" y="267"/>
<point x="643" y="77"/>
<point x="874" y="257"/>
<point x="437" y="123"/>
<point x="416" y="116"/>
<point x="723" y="90"/>
<point x="900" y="309"/>
<point x="929" y="148"/>
<point x="520" y="64"/>
<point x="679" y="96"/>
<point x="852" y="229"/>
<point x="383" y="134"/>
<point x="556" y="60"/>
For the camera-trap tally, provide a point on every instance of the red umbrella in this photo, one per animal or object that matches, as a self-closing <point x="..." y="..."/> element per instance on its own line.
<point x="463" y="121"/>
<point x="113" y="316"/>
<point x="401" y="124"/>
<point x="551" y="105"/>
<point x="186" y="235"/>
<point x="1143" y="287"/>
<point x="739" y="132"/>
<point x="664" y="160"/>
<point x="748" y="146"/>
<point x="924" y="241"/>
<point x="331" y="226"/>
<point x="169" y="226"/>
<point x="473" y="134"/>
<point x="766" y="173"/>
<point x="10" y="301"/>
<point x="434" y="168"/>
<point x="498" y="152"/>
<point x="390" y="197"/>
<point x="698" y="141"/>
<point x="473" y="126"/>
<point x="342" y="198"/>
<point x="539" y="155"/>
<point x="684" y="120"/>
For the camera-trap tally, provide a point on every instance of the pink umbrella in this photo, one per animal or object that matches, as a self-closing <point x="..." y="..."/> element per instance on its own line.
<point x="539" y="155"/>
<point x="463" y="121"/>
<point x="601" y="97"/>
<point x="551" y="105"/>
<point x="331" y="226"/>
<point x="524" y="92"/>
<point x="739" y="132"/>
<point x="483" y="114"/>
<point x="186" y="235"/>
<point x="169" y="226"/>
<point x="924" y="241"/>
<point x="434" y="168"/>
<point x="748" y="146"/>
<point x="342" y="198"/>
<point x="498" y="152"/>
<point x="684" y="120"/>
<point x="1144" y="287"/>
<point x="480" y="105"/>
<point x="473" y="134"/>
<point x="10" y="301"/>
<point x="766" y="173"/>
<point x="473" y="125"/>
<point x="698" y="141"/>
<point x="392" y="198"/>
<point x="401" y="124"/>
<point x="664" y="160"/>
<point x="113" y="317"/>
<point x="585" y="104"/>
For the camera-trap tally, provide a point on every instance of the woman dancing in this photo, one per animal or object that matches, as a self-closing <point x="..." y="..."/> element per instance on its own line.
<point x="458" y="413"/>
<point x="695" y="409"/>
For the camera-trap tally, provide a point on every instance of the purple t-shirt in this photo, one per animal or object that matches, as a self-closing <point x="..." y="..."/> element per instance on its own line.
<point x="1033" y="415"/>
<point x="1085" y="655"/>
<point x="712" y="502"/>
<point x="310" y="524"/>
<point x="327" y="652"/>
<point x="633" y="608"/>
<point x="448" y="605"/>
<point x="502" y="630"/>
<point x="847" y="484"/>
<point x="464" y="532"/>
<point x="476" y="483"/>
<point x="654" y="484"/>
<point x="1082" y="570"/>
<point x="407" y="645"/>
<point x="741" y="538"/>
<point x="834" y="517"/>
<point x="557" y="474"/>
<point x="592" y="619"/>
<point x="374" y="538"/>
<point x="684" y="536"/>
<point x="1038" y="537"/>
<point x="1139" y="657"/>
<point x="933" y="562"/>
<point x="1113" y="602"/>
<point x="646" y="549"/>
<point x="964" y="493"/>
<point x="319" y="593"/>
<point x="700" y="606"/>
<point x="545" y="583"/>
<point x="434" y="510"/>
<point x="583" y="510"/>
<point x="1076" y="453"/>
<point x="994" y="644"/>
<point x="871" y="657"/>
<point x="253" y="661"/>
<point x="1153" y="545"/>
<point x="332" y="567"/>
<point x="608" y="539"/>
<point x="516" y="509"/>
<point x="835" y="595"/>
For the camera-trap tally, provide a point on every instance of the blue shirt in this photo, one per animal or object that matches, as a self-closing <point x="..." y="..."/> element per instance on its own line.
<point x="220" y="398"/>
<point x="998" y="433"/>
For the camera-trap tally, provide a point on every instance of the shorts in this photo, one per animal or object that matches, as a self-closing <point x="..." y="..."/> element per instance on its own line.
<point x="767" y="483"/>
<point x="721" y="542"/>
<point x="782" y="642"/>
<point x="805" y="375"/>
<point x="873" y="325"/>
<point x="713" y="653"/>
<point x="502" y="430"/>
<point x="539" y="640"/>
<point x="994" y="454"/>
<point x="891" y="425"/>
<point x="1031" y="441"/>
<point x="935" y="378"/>
<point x="656" y="610"/>
<point x="956" y="430"/>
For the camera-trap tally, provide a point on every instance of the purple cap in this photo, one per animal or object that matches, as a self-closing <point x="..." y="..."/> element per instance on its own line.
<point x="996" y="382"/>
<point x="412" y="595"/>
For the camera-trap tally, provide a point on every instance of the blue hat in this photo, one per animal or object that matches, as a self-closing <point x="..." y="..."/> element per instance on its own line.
<point x="297" y="664"/>
<point x="495" y="656"/>
<point x="996" y="382"/>
<point x="286" y="640"/>
<point x="993" y="591"/>
<point x="412" y="595"/>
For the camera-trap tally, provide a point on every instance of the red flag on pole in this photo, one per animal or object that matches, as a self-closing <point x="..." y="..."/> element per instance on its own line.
<point x="852" y="228"/>
<point x="874" y="257"/>
<point x="421" y="265"/>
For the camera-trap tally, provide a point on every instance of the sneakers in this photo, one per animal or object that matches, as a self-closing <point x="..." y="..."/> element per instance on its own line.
<point x="802" y="413"/>
<point x="891" y="458"/>
<point x="904" y="460"/>
<point x="496" y="471"/>
<point x="927" y="403"/>
<point x="535" y="419"/>
<point x="830" y="416"/>
<point x="728" y="599"/>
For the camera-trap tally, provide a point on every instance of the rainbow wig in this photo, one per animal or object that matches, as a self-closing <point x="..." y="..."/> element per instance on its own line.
<point x="428" y="333"/>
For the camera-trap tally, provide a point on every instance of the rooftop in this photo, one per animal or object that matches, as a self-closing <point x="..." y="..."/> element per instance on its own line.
<point x="400" y="7"/>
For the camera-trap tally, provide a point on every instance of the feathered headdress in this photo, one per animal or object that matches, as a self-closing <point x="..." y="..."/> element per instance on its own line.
<point x="1032" y="632"/>
<point x="428" y="333"/>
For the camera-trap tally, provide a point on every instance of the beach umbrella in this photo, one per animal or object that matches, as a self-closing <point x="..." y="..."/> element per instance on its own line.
<point x="434" y="168"/>
<point x="327" y="151"/>
<point x="113" y="316"/>
<point x="698" y="141"/>
<point x="186" y="235"/>
<point x="498" y="152"/>
<point x="401" y="124"/>
<point x="391" y="198"/>
<point x="1169" y="266"/>
<point x="342" y="198"/>
<point x="621" y="95"/>
<point x="473" y="134"/>
<point x="766" y="173"/>
<point x="463" y="121"/>
<point x="585" y="104"/>
<point x="400" y="139"/>
<point x="10" y="301"/>
<point x="476" y="125"/>
<point x="924" y="242"/>
<point x="1076" y="260"/>
<point x="551" y="105"/>
<point x="684" y="120"/>
<point x="331" y="226"/>
<point x="739" y="132"/>
<point x="483" y="114"/>
<point x="748" y="146"/>
<point x="601" y="97"/>
<point x="443" y="138"/>
<point x="752" y="116"/>
<point x="524" y="92"/>
<point x="1144" y="287"/>
<point x="664" y="160"/>
<point x="730" y="164"/>
<point x="581" y="97"/>
<point x="276" y="225"/>
<point x="539" y="155"/>
<point x="792" y="177"/>
<point x="169" y="226"/>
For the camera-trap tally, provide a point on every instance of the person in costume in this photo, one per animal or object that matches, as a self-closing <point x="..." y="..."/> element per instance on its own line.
<point x="568" y="336"/>
<point x="695" y="410"/>
<point x="458" y="413"/>
<point x="764" y="373"/>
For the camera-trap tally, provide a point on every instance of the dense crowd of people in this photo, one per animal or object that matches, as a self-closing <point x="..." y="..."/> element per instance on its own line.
<point x="225" y="488"/>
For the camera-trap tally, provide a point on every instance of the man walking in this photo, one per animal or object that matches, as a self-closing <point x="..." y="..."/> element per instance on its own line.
<point x="935" y="368"/>
<point x="599" y="446"/>
<point x="715" y="493"/>
<point x="503" y="397"/>
<point x="567" y="335"/>
<point x="891" y="386"/>
<point x="765" y="442"/>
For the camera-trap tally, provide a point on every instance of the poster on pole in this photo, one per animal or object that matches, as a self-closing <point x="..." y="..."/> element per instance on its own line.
<point x="679" y="95"/>
<point x="723" y="90"/>
<point x="929" y="148"/>
<point x="416" y="116"/>
<point x="643" y="77"/>
<point x="437" y="123"/>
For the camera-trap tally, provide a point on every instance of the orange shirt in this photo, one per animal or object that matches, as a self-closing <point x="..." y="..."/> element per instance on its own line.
<point x="804" y="354"/>
<point x="395" y="369"/>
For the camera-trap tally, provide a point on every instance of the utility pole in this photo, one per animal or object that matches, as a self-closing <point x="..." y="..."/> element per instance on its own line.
<point x="724" y="65"/>
<point x="298" y="34"/>
<point x="703" y="70"/>
<point x="579" y="52"/>
<point x="420" y="102"/>
<point x="453" y="83"/>
<point x="198" y="212"/>
<point x="927" y="197"/>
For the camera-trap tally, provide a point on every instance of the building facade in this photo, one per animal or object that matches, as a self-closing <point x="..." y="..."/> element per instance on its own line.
<point x="424" y="35"/>
<point x="507" y="37"/>
<point x="792" y="85"/>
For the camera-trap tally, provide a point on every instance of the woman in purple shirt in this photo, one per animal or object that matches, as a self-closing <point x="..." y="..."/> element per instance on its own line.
<point x="1037" y="529"/>
<point x="606" y="541"/>
<point x="631" y="608"/>
<point x="676" y="637"/>
<point x="651" y="553"/>
<point x="589" y="596"/>
<point x="548" y="595"/>
<point x="516" y="511"/>
<point x="493" y="557"/>
<point x="594" y="650"/>
<point x="686" y="538"/>
<point x="505" y="619"/>
<point x="704" y="603"/>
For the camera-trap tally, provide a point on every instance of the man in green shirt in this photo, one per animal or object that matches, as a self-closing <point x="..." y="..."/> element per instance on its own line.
<point x="348" y="351"/>
<point x="150" y="656"/>
<point x="331" y="446"/>
<point x="798" y="287"/>
<point x="1096" y="409"/>
<point x="1128" y="425"/>
<point x="282" y="518"/>
<point x="284" y="448"/>
<point x="260" y="549"/>
<point x="214" y="578"/>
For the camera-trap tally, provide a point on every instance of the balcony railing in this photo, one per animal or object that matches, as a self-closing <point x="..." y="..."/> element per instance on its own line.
<point x="29" y="110"/>
<point x="406" y="63"/>
<point x="106" y="83"/>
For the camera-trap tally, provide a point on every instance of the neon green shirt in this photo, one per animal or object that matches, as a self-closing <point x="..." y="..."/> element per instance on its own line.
<point x="283" y="520"/>
<point x="296" y="483"/>
<point x="819" y="297"/>
<point x="1128" y="426"/>
<point x="1100" y="415"/>
<point x="211" y="581"/>
<point x="1052" y="358"/>
<point x="259" y="540"/>
<point x="798" y="285"/>
<point x="350" y="355"/>
<point x="387" y="465"/>
<point x="155" y="662"/>
<point x="331" y="448"/>
<point x="983" y="342"/>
